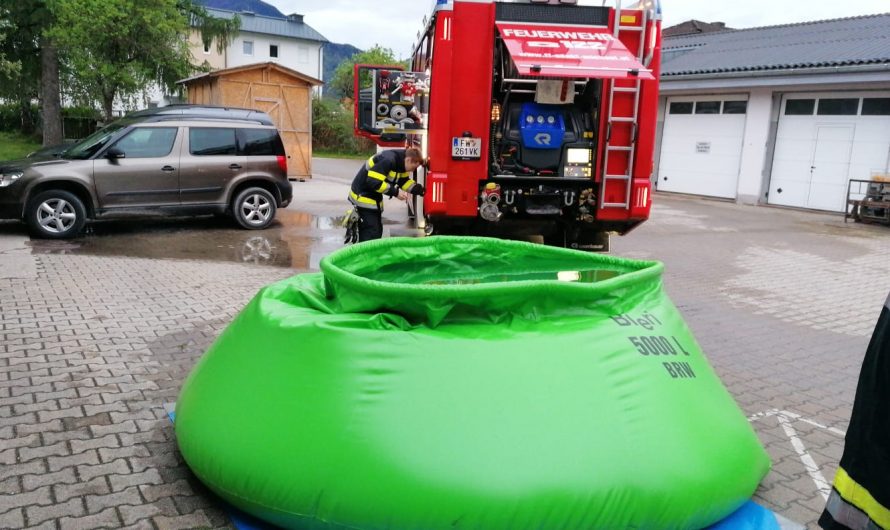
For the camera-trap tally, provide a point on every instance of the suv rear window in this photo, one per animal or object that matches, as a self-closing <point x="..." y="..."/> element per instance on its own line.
<point x="260" y="142"/>
<point x="216" y="141"/>
<point x="212" y="141"/>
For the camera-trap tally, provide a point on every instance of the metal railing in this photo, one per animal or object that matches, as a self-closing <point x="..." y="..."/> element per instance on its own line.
<point x="867" y="200"/>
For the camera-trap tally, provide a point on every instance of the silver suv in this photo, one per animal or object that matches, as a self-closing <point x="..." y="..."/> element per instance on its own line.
<point x="182" y="159"/>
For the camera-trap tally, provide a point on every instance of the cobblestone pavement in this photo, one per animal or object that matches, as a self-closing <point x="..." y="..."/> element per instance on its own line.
<point x="93" y="346"/>
<point x="783" y="303"/>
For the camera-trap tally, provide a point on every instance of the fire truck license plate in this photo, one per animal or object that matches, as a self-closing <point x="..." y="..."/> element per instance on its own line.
<point x="466" y="148"/>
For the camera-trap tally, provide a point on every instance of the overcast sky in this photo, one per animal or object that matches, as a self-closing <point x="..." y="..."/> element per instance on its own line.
<point x="394" y="23"/>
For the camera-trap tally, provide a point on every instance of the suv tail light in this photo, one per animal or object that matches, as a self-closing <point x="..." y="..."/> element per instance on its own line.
<point x="282" y="163"/>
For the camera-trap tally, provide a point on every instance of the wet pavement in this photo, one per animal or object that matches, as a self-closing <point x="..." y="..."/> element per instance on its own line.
<point x="298" y="238"/>
<point x="289" y="242"/>
<point x="98" y="333"/>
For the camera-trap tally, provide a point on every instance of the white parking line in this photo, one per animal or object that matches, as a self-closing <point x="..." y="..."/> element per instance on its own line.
<point x="812" y="469"/>
<point x="785" y="419"/>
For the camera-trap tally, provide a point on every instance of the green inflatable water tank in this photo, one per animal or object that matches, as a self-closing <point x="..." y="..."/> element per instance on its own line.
<point x="467" y="383"/>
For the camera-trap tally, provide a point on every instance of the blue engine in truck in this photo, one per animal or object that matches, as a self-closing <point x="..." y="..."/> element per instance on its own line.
<point x="542" y="126"/>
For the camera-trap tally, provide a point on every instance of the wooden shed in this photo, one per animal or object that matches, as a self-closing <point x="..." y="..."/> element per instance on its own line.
<point x="284" y="94"/>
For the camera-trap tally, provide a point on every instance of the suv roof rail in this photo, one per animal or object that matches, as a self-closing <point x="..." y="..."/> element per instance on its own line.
<point x="207" y="112"/>
<point x="259" y="120"/>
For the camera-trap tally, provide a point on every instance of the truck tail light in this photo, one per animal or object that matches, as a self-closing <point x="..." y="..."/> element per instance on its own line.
<point x="641" y="204"/>
<point x="282" y="163"/>
<point x="439" y="192"/>
<point x="434" y="198"/>
<point x="642" y="197"/>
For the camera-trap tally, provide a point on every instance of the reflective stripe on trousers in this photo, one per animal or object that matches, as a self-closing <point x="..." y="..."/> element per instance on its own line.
<point x="854" y="507"/>
<point x="361" y="201"/>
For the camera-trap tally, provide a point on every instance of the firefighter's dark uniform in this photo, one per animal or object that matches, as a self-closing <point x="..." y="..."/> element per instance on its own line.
<point x="382" y="174"/>
<point x="860" y="496"/>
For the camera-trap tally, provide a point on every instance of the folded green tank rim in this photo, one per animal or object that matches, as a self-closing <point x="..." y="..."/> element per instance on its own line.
<point x="467" y="383"/>
<point x="406" y="276"/>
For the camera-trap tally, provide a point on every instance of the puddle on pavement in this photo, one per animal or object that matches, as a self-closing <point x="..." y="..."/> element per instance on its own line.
<point x="297" y="240"/>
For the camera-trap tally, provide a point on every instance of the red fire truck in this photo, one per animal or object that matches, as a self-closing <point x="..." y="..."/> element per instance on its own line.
<point x="537" y="117"/>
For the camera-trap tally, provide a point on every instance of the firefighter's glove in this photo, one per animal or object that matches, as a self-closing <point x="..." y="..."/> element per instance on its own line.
<point x="416" y="189"/>
<point x="351" y="222"/>
<point x="392" y="191"/>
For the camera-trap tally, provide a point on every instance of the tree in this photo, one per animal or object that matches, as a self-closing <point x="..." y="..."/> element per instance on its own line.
<point x="332" y="129"/>
<point x="117" y="48"/>
<point x="7" y="67"/>
<point x="209" y="27"/>
<point x="100" y="49"/>
<point x="50" y="94"/>
<point x="342" y="82"/>
<point x="24" y="22"/>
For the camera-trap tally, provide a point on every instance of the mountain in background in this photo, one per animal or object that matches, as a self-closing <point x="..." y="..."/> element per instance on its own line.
<point x="254" y="6"/>
<point x="334" y="54"/>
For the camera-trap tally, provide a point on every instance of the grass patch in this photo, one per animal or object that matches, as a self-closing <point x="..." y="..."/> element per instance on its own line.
<point x="15" y="145"/>
<point x="322" y="153"/>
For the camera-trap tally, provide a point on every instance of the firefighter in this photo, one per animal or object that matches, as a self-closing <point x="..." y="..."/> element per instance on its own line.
<point x="386" y="173"/>
<point x="860" y="496"/>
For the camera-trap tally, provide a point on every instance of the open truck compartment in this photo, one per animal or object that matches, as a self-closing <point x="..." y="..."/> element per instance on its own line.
<point x="537" y="116"/>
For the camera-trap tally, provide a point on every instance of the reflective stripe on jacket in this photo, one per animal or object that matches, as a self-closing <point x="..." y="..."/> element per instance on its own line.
<point x="379" y="175"/>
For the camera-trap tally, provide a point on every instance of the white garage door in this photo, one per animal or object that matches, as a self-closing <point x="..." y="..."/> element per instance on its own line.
<point x="823" y="141"/>
<point x="701" y="147"/>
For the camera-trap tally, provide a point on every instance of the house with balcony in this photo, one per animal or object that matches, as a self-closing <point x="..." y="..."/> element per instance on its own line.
<point x="267" y="35"/>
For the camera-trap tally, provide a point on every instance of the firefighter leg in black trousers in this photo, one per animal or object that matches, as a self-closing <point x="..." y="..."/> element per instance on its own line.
<point x="860" y="498"/>
<point x="371" y="226"/>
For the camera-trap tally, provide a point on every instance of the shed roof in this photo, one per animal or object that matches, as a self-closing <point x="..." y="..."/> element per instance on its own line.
<point x="285" y="27"/>
<point x="861" y="40"/>
<point x="255" y="66"/>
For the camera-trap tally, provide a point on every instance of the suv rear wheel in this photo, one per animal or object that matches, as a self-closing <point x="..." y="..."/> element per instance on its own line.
<point x="55" y="214"/>
<point x="254" y="208"/>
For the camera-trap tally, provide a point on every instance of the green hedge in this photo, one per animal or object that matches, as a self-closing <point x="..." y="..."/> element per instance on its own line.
<point x="332" y="130"/>
<point x="331" y="125"/>
<point x="11" y="117"/>
<point x="77" y="122"/>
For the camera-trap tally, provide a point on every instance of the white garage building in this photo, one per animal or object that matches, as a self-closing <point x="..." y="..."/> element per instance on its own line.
<point x="781" y="115"/>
